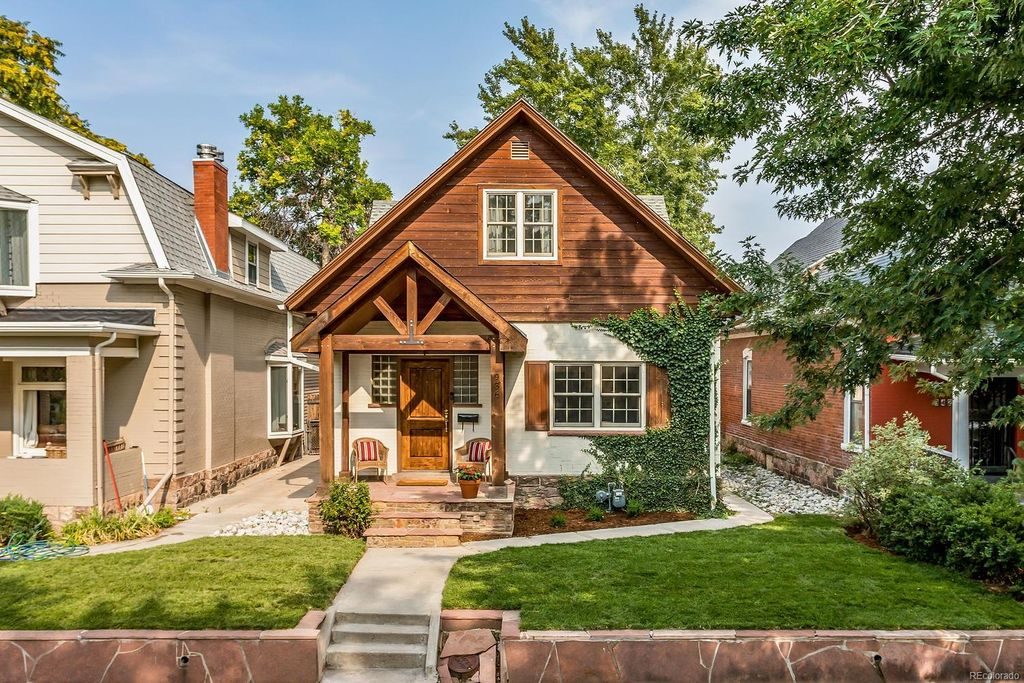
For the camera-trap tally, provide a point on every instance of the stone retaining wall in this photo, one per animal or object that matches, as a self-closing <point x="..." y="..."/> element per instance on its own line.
<point x="820" y="475"/>
<point x="190" y="488"/>
<point x="537" y="492"/>
<point x="733" y="655"/>
<point x="484" y="517"/>
<point x="207" y="656"/>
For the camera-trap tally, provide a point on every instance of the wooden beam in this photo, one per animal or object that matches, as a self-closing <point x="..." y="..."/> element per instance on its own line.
<point x="498" y="472"/>
<point x="326" y="410"/>
<point x="390" y="343"/>
<point x="434" y="312"/>
<point x="411" y="300"/>
<point x="389" y="313"/>
<point x="344" y="415"/>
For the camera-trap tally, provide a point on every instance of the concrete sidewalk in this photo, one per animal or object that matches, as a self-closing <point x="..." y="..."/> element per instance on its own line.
<point x="281" y="488"/>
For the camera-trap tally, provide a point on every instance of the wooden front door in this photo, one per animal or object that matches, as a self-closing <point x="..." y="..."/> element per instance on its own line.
<point x="423" y="404"/>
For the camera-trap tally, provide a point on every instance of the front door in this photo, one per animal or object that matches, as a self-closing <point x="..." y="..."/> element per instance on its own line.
<point x="423" y="400"/>
<point x="992" y="446"/>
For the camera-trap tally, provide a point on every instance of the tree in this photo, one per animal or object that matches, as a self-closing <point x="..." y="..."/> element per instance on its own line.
<point x="633" y="106"/>
<point x="907" y="118"/>
<point x="28" y="78"/>
<point x="303" y="176"/>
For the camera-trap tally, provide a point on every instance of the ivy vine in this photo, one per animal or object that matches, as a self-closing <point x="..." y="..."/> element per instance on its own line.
<point x="665" y="468"/>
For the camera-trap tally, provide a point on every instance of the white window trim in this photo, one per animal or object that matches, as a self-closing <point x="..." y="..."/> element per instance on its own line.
<point x="596" y="426"/>
<point x="848" y="430"/>
<point x="18" y="450"/>
<point x="255" y="283"/>
<point x="29" y="290"/>
<point x="520" y="254"/>
<point x="748" y="355"/>
<point x="297" y="425"/>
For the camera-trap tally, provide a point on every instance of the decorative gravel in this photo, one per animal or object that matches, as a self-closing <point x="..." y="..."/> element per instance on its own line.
<point x="778" y="495"/>
<point x="267" y="523"/>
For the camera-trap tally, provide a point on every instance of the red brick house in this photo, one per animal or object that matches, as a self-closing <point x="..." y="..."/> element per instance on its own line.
<point x="754" y="377"/>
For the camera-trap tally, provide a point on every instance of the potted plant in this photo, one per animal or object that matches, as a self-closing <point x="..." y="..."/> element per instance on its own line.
<point x="469" y="480"/>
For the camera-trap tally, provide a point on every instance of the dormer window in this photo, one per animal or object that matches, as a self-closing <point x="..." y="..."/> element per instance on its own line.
<point x="252" y="263"/>
<point x="520" y="225"/>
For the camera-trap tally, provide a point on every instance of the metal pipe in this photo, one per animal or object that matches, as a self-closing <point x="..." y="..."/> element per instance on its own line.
<point x="97" y="415"/>
<point x="172" y="367"/>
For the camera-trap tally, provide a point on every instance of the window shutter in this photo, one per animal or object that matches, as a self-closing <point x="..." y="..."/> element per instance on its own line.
<point x="537" y="412"/>
<point x="659" y="406"/>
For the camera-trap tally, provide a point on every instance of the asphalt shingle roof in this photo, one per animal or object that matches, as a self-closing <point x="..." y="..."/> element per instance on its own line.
<point x="825" y="240"/>
<point x="9" y="195"/>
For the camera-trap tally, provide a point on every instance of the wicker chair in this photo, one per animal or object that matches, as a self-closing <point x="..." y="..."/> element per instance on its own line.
<point x="369" y="454"/>
<point x="475" y="453"/>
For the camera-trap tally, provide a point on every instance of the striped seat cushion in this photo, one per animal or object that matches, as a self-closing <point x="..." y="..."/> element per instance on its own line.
<point x="367" y="451"/>
<point x="478" y="451"/>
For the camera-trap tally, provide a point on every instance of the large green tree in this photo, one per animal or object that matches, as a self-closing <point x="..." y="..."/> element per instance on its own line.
<point x="906" y="117"/>
<point x="303" y="176"/>
<point x="28" y="77"/>
<point x="634" y="106"/>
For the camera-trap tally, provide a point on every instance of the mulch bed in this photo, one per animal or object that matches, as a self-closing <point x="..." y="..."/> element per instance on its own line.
<point x="537" y="522"/>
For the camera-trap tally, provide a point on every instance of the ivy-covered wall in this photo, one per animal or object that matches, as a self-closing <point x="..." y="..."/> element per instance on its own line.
<point x="667" y="468"/>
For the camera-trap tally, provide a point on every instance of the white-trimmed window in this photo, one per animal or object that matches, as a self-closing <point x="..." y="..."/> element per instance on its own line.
<point x="748" y="384"/>
<point x="855" y="418"/>
<point x="384" y="380"/>
<point x="40" y="408"/>
<point x="597" y="396"/>
<point x="19" y="248"/>
<point x="284" y="404"/>
<point x="252" y="263"/>
<point x="520" y="224"/>
<point x="466" y="380"/>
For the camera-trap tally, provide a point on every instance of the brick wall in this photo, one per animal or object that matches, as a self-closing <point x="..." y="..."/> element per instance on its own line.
<point x="890" y="400"/>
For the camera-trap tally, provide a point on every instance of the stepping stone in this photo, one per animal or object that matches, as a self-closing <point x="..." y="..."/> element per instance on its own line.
<point x="471" y="642"/>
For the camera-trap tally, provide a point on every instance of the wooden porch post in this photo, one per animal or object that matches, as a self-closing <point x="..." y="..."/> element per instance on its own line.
<point x="345" y="356"/>
<point x="498" y="473"/>
<point x="326" y="409"/>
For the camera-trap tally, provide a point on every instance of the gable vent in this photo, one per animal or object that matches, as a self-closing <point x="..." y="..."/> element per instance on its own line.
<point x="520" y="149"/>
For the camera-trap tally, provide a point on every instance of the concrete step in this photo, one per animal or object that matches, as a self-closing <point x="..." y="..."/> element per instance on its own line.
<point x="381" y="618"/>
<point x="412" y="538"/>
<point x="361" y="656"/>
<point x="377" y="676"/>
<point x="380" y="633"/>
<point x="416" y="519"/>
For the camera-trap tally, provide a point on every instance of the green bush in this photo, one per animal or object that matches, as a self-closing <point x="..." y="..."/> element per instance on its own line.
<point x="347" y="509"/>
<point x="897" y="459"/>
<point x="22" y="520"/>
<point x="634" y="508"/>
<point x="94" y="528"/>
<point x="558" y="520"/>
<point x="595" y="514"/>
<point x="167" y="517"/>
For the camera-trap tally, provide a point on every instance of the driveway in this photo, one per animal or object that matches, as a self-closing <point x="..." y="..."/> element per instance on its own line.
<point x="281" y="488"/>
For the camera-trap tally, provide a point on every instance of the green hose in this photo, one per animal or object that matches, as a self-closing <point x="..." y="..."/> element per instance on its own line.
<point x="38" y="550"/>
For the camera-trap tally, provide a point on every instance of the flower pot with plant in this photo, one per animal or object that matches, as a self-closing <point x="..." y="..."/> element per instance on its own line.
<point x="469" y="480"/>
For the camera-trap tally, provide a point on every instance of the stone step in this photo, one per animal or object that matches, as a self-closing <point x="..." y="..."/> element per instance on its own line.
<point x="362" y="656"/>
<point x="412" y="538"/>
<point x="409" y="506"/>
<point x="381" y="618"/>
<point x="416" y="519"/>
<point x="380" y="633"/>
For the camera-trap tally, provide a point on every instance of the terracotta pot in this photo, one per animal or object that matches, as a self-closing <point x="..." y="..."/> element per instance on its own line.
<point x="470" y="487"/>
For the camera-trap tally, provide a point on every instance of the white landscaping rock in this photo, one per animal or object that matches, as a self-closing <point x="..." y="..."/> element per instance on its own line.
<point x="267" y="523"/>
<point x="778" y="495"/>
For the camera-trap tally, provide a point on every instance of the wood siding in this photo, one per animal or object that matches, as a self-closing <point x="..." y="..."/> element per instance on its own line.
<point x="607" y="261"/>
<point x="78" y="238"/>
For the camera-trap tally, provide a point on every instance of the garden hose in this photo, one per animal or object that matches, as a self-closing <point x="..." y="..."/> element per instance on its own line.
<point x="27" y="549"/>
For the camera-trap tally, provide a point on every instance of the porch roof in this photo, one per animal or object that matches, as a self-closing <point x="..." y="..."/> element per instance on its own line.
<point x="369" y="295"/>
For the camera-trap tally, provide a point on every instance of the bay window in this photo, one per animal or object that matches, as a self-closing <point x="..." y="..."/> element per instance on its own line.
<point x="520" y="224"/>
<point x="285" y="386"/>
<point x="597" y="396"/>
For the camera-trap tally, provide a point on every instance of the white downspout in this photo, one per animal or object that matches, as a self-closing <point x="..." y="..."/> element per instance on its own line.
<point x="172" y="367"/>
<point x="713" y="438"/>
<point x="97" y="413"/>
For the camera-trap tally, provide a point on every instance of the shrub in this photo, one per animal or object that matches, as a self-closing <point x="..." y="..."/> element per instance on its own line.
<point x="896" y="459"/>
<point x="595" y="514"/>
<point x="22" y="520"/>
<point x="347" y="509"/>
<point x="167" y="517"/>
<point x="634" y="508"/>
<point x="558" y="520"/>
<point x="94" y="528"/>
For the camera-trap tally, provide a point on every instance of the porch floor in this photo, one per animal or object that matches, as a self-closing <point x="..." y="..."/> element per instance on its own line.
<point x="384" y="492"/>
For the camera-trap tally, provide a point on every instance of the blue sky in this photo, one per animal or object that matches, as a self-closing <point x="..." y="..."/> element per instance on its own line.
<point x="163" y="76"/>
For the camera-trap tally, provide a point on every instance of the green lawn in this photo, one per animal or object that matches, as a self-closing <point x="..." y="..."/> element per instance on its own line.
<point x="795" y="572"/>
<point x="222" y="583"/>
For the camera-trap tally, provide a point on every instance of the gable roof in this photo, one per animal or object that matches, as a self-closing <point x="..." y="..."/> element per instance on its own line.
<point x="9" y="195"/>
<point x="520" y="110"/>
<point x="820" y="243"/>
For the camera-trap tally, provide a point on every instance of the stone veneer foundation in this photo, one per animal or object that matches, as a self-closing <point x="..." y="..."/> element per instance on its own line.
<point x="295" y="655"/>
<point x="537" y="492"/>
<point x="734" y="655"/>
<point x="820" y="475"/>
<point x="189" y="488"/>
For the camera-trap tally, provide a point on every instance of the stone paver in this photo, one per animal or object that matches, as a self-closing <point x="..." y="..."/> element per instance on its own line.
<point x="279" y="488"/>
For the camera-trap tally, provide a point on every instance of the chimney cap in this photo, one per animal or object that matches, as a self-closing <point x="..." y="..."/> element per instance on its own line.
<point x="205" y="150"/>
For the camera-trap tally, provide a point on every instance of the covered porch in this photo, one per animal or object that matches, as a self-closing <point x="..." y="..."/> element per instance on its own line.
<point x="415" y="363"/>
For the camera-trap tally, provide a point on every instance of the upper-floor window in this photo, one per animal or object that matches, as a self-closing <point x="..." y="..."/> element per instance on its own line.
<point x="520" y="224"/>
<point x="252" y="263"/>
<point x="18" y="248"/>
<point x="748" y="384"/>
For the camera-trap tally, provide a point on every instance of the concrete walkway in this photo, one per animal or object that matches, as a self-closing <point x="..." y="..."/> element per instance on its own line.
<point x="281" y="488"/>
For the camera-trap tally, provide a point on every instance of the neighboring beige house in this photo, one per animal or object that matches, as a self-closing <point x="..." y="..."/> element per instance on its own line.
<point x="131" y="308"/>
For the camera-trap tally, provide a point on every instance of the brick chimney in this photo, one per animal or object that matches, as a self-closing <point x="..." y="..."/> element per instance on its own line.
<point x="210" y="186"/>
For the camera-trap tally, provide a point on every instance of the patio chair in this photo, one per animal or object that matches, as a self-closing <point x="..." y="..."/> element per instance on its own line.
<point x="475" y="453"/>
<point x="369" y="454"/>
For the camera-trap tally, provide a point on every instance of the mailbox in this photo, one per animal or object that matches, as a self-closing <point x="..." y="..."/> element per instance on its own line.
<point x="471" y="418"/>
